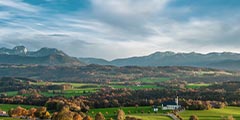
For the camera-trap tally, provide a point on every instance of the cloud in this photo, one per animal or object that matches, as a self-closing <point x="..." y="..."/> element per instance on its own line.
<point x="119" y="28"/>
<point x="130" y="8"/>
<point x="4" y="15"/>
<point x="127" y="16"/>
<point x="18" y="5"/>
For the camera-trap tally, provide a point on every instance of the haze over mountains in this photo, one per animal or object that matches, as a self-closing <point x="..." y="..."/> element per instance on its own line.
<point x="224" y="60"/>
<point x="44" y="56"/>
<point x="52" y="56"/>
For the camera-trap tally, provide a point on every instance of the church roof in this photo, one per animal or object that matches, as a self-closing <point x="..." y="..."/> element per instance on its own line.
<point x="169" y="103"/>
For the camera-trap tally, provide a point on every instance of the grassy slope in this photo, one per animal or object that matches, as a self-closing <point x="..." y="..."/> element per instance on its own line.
<point x="214" y="114"/>
<point x="151" y="117"/>
<point x="78" y="89"/>
<point x="152" y="80"/>
<point x="6" y="107"/>
<point x="129" y="111"/>
<point x="8" y="118"/>
<point x="195" y="85"/>
<point x="135" y="87"/>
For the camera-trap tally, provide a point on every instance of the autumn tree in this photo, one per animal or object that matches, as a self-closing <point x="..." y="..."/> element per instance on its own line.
<point x="64" y="114"/>
<point x="18" y="112"/>
<point x="120" y="115"/>
<point x="77" y="117"/>
<point x="42" y="113"/>
<point x="99" y="116"/>
<point x="31" y="112"/>
<point x="228" y="118"/>
<point x="193" y="117"/>
<point x="87" y="118"/>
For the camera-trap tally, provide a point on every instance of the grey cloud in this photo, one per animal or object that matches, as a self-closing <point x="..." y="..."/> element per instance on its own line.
<point x="123" y="28"/>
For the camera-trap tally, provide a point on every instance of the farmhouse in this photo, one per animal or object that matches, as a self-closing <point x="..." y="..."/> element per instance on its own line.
<point x="67" y="87"/>
<point x="171" y="105"/>
<point x="155" y="108"/>
<point x="3" y="113"/>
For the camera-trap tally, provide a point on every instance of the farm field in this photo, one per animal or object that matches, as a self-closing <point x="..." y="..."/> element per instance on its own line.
<point x="6" y="107"/>
<point x="85" y="89"/>
<point x="8" y="118"/>
<point x="77" y="90"/>
<point x="69" y="93"/>
<point x="196" y="85"/>
<point x="146" y="112"/>
<point x="213" y="114"/>
<point x="152" y="80"/>
<point x="151" y="116"/>
<point x="135" y="87"/>
<point x="11" y="93"/>
<point x="139" y="112"/>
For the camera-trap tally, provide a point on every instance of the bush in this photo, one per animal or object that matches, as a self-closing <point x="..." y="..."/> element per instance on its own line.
<point x="193" y="117"/>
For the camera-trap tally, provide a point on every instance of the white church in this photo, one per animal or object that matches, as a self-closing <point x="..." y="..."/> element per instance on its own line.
<point x="171" y="105"/>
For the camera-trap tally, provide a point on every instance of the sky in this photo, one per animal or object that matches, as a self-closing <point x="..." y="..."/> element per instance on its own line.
<point x="112" y="29"/>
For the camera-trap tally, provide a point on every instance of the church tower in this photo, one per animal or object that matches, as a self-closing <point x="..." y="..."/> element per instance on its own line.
<point x="176" y="100"/>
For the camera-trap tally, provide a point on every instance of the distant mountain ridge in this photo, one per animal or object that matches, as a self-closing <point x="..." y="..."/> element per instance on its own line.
<point x="222" y="60"/>
<point x="23" y="51"/>
<point x="43" y="56"/>
<point x="52" y="56"/>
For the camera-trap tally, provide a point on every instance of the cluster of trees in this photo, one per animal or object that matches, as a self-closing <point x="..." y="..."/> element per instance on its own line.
<point x="20" y="112"/>
<point x="66" y="114"/>
<point x="210" y="79"/>
<point x="26" y="86"/>
<point x="202" y="105"/>
<point x="74" y="104"/>
<point x="194" y="99"/>
<point x="102" y="74"/>
<point x="108" y="97"/>
<point x="29" y="91"/>
<point x="173" y="84"/>
<point x="34" y="99"/>
<point x="13" y="84"/>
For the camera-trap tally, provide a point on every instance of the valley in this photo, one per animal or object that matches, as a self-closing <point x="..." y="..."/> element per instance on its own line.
<point x="58" y="87"/>
<point x="119" y="60"/>
<point x="135" y="90"/>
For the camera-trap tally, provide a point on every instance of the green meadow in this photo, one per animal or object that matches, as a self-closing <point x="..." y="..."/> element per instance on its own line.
<point x="135" y="87"/>
<point x="152" y="79"/>
<point x="146" y="112"/>
<point x="78" y="89"/>
<point x="139" y="112"/>
<point x="8" y="118"/>
<point x="213" y="114"/>
<point x="6" y="107"/>
<point x="197" y="85"/>
<point x="151" y="117"/>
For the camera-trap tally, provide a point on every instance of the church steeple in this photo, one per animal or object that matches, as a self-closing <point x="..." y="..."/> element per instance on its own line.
<point x="176" y="100"/>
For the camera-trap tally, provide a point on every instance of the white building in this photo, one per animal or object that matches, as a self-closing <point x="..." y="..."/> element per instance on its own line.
<point x="155" y="108"/>
<point x="3" y="113"/>
<point x="171" y="105"/>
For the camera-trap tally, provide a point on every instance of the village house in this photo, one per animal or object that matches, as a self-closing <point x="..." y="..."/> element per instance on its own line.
<point x="3" y="113"/>
<point x="155" y="108"/>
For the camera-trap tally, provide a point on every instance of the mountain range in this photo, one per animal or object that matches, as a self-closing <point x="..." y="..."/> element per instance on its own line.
<point x="43" y="56"/>
<point x="224" y="60"/>
<point x="52" y="56"/>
